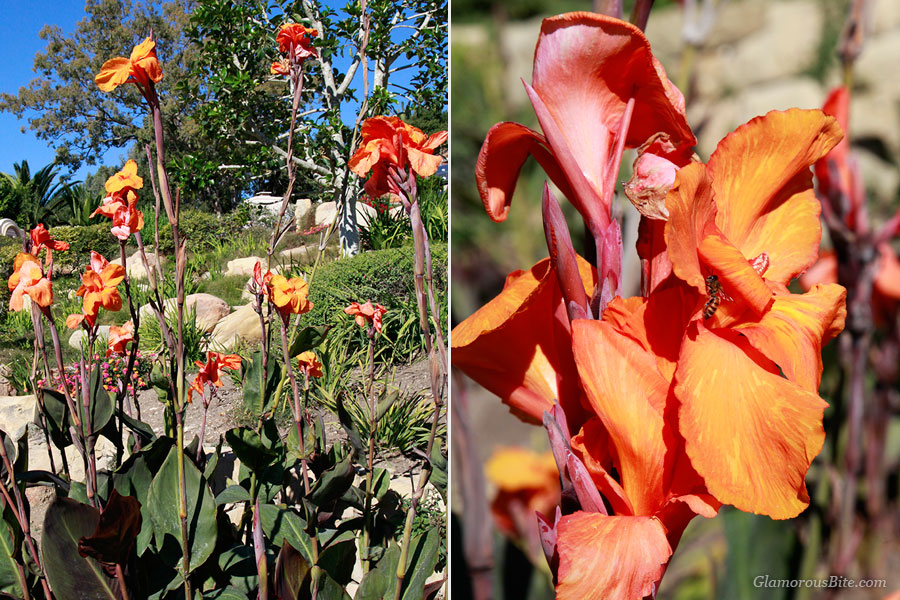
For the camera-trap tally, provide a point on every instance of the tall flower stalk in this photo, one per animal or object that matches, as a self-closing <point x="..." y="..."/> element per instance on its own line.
<point x="396" y="153"/>
<point x="143" y="70"/>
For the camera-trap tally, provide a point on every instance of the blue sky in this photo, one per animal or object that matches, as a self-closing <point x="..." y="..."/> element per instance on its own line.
<point x="20" y="42"/>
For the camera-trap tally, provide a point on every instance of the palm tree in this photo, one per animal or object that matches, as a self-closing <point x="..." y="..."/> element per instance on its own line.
<point x="33" y="198"/>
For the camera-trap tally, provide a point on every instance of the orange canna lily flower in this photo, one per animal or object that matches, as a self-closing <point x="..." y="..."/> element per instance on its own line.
<point x="596" y="89"/>
<point x="365" y="314"/>
<point x="295" y="40"/>
<point x="141" y="68"/>
<point x="127" y="219"/>
<point x="389" y="143"/>
<point x="98" y="287"/>
<point x="28" y="278"/>
<point x="280" y="67"/>
<point x="127" y="178"/>
<point x="211" y="371"/>
<point x="309" y="364"/>
<point x="40" y="238"/>
<point x="119" y="338"/>
<point x="528" y="316"/>
<point x="289" y="295"/>
<point x="526" y="482"/>
<point x="750" y="218"/>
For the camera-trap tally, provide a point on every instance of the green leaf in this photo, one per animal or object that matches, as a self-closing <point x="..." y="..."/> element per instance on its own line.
<point x="250" y="448"/>
<point x="71" y="575"/>
<point x="229" y="593"/>
<point x="385" y="403"/>
<point x="10" y="581"/>
<point x="332" y="484"/>
<point x="308" y="338"/>
<point x="292" y="573"/>
<point x="238" y="563"/>
<point x="259" y="396"/>
<point x="57" y="418"/>
<point x="338" y="559"/>
<point x="420" y="562"/>
<point x="378" y="582"/>
<point x="232" y="494"/>
<point x="139" y="427"/>
<point x="101" y="406"/>
<point x="439" y="470"/>
<point x="163" y="501"/>
<point x="280" y="524"/>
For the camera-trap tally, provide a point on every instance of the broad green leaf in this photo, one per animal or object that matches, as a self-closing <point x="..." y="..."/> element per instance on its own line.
<point x="229" y="593"/>
<point x="259" y="396"/>
<point x="333" y="483"/>
<point x="71" y="575"/>
<point x="57" y="413"/>
<point x="250" y="448"/>
<point x="280" y="523"/>
<point x="238" y="563"/>
<point x="308" y="338"/>
<point x="139" y="427"/>
<point x="10" y="581"/>
<point x="101" y="405"/>
<point x="378" y="582"/>
<point x="292" y="572"/>
<point x="163" y="501"/>
<point x="439" y="470"/>
<point x="420" y="561"/>
<point x="232" y="494"/>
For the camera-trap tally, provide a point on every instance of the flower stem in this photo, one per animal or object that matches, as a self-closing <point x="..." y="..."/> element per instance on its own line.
<point x="368" y="517"/>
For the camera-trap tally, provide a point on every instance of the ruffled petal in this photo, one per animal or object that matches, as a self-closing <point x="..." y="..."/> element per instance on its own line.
<point x="518" y="345"/>
<point x="113" y="73"/>
<point x="610" y="557"/>
<point x="794" y="330"/>
<point x="763" y="187"/>
<point x="586" y="68"/>
<point x="628" y="394"/>
<point x="504" y="151"/>
<point x="750" y="433"/>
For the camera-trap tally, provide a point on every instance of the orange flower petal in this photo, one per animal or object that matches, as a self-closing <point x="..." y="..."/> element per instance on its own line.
<point x="591" y="444"/>
<point x="691" y="208"/>
<point x="42" y="292"/>
<point x="425" y="165"/>
<point x="517" y="469"/>
<point x="793" y="332"/>
<point x="629" y="395"/>
<point x="517" y="345"/>
<point x="738" y="277"/>
<point x="610" y="557"/>
<point x="613" y="63"/>
<point x="113" y="73"/>
<point x="504" y="151"/>
<point x="763" y="187"/>
<point x="750" y="433"/>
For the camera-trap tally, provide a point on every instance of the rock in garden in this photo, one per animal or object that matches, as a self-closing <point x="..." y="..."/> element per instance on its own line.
<point x="240" y="326"/>
<point x="325" y="213"/>
<point x="242" y="266"/>
<point x="208" y="308"/>
<point x="135" y="264"/>
<point x="16" y="412"/>
<point x="295" y="254"/>
<point x="301" y="209"/>
<point x="80" y="335"/>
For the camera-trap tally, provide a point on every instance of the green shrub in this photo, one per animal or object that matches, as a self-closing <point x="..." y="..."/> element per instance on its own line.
<point x="382" y="276"/>
<point x="202" y="229"/>
<point x="9" y="247"/>
<point x="83" y="239"/>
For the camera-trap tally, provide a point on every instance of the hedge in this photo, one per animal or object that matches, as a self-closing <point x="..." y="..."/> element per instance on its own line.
<point x="382" y="276"/>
